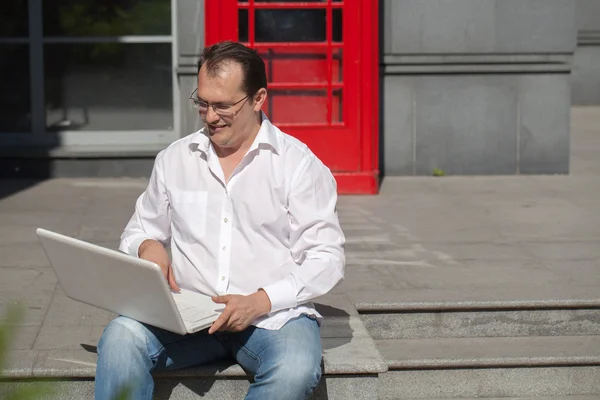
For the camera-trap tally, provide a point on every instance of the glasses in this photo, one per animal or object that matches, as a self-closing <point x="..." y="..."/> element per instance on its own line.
<point x="223" y="110"/>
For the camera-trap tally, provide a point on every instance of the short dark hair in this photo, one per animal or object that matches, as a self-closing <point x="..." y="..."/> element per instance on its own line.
<point x="252" y="64"/>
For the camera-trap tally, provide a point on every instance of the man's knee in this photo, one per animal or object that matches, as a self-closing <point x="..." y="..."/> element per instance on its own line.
<point x="122" y="334"/>
<point x="300" y="374"/>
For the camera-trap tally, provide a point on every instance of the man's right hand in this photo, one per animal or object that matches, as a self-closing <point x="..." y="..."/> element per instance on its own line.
<point x="155" y="252"/>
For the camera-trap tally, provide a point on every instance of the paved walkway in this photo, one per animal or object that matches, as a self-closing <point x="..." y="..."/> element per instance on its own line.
<point x="421" y="238"/>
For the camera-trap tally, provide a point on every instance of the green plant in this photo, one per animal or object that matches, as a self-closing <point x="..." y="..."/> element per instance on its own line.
<point x="39" y="390"/>
<point x="438" y="172"/>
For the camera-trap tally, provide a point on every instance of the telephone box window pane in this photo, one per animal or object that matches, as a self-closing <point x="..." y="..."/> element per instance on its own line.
<point x="108" y="86"/>
<point x="106" y="18"/>
<point x="14" y="18"/>
<point x="337" y="66"/>
<point x="336" y="107"/>
<point x="301" y="65"/>
<point x="290" y="25"/>
<point x="297" y="106"/>
<point x="15" y="102"/>
<point x="294" y="106"/>
<point x="336" y="25"/>
<point x="243" y="25"/>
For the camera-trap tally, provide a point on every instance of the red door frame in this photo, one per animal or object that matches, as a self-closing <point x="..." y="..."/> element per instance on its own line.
<point x="350" y="148"/>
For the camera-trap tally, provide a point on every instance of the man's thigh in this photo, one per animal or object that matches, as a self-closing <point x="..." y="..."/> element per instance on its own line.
<point x="298" y="342"/>
<point x="169" y="350"/>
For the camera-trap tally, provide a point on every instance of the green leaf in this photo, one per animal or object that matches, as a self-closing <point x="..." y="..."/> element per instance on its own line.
<point x="123" y="394"/>
<point x="7" y="330"/>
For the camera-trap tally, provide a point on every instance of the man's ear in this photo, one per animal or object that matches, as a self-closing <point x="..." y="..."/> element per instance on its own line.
<point x="259" y="99"/>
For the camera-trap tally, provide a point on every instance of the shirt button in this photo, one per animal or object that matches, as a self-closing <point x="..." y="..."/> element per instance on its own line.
<point x="224" y="248"/>
<point x="225" y="220"/>
<point x="222" y="278"/>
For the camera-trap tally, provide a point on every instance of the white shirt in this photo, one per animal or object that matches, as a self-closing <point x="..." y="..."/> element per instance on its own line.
<point x="273" y="225"/>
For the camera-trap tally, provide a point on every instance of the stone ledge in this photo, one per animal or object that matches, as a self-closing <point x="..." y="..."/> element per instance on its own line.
<point x="588" y="38"/>
<point x="499" y="298"/>
<point x="490" y="352"/>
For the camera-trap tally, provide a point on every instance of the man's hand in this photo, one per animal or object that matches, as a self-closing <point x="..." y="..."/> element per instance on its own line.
<point x="154" y="251"/>
<point x="240" y="311"/>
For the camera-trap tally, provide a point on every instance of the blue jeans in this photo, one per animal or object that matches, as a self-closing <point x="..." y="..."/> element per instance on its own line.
<point x="286" y="363"/>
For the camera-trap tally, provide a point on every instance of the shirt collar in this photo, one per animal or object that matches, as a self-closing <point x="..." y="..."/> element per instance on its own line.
<point x="267" y="134"/>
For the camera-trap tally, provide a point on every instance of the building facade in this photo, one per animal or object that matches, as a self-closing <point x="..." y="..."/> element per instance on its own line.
<point x="388" y="87"/>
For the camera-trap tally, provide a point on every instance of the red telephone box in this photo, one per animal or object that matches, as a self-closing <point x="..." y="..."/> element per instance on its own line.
<point x="322" y="68"/>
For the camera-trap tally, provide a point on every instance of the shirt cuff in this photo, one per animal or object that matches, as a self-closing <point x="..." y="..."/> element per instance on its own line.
<point x="282" y="294"/>
<point x="132" y="244"/>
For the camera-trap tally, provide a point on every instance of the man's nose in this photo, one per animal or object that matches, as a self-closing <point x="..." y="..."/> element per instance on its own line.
<point x="211" y="116"/>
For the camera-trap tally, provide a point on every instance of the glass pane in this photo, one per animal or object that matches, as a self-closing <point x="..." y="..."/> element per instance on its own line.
<point x="336" y="106"/>
<point x="106" y="18"/>
<point x="15" y="102"/>
<point x="290" y="25"/>
<point x="108" y="86"/>
<point x="293" y="106"/>
<point x="298" y="65"/>
<point x="14" y="18"/>
<point x="243" y="25"/>
<point x="337" y="67"/>
<point x="336" y="25"/>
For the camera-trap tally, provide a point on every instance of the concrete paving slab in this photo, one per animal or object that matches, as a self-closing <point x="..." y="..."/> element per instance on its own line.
<point x="35" y="305"/>
<point x="30" y="279"/>
<point x="561" y="251"/>
<point x="29" y="254"/>
<point x="24" y="337"/>
<point x="64" y="312"/>
<point x="369" y="277"/>
<point x="475" y="274"/>
<point x="67" y="337"/>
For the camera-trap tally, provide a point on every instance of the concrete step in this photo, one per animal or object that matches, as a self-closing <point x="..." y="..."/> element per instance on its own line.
<point x="490" y="323"/>
<point x="490" y="367"/>
<point x="214" y="382"/>
<point x="576" y="397"/>
<point x="490" y="383"/>
<point x="526" y="296"/>
<point x="490" y="352"/>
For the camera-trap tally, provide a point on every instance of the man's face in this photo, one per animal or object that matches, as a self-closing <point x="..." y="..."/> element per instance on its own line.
<point x="223" y="89"/>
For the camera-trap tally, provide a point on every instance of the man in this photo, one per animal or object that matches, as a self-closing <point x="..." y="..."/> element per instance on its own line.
<point x="250" y="214"/>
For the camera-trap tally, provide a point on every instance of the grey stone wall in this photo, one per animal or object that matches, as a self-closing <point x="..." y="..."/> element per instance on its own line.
<point x="476" y="86"/>
<point x="586" y="65"/>
<point x="190" y="43"/>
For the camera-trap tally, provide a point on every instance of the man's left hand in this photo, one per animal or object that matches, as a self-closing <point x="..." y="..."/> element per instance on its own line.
<point x="240" y="311"/>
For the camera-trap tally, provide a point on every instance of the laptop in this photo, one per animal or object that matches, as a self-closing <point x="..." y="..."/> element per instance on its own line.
<point x="126" y="285"/>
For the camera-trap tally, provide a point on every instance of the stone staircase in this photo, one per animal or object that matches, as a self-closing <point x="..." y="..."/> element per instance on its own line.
<point x="383" y="345"/>
<point x="493" y="348"/>
<point x="351" y="363"/>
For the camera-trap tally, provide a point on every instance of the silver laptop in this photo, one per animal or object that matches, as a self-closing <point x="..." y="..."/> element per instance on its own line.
<point x="125" y="285"/>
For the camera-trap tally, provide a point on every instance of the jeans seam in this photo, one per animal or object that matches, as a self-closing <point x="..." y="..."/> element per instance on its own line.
<point x="243" y="348"/>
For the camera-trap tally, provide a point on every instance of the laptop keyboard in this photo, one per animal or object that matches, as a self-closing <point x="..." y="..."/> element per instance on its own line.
<point x="192" y="314"/>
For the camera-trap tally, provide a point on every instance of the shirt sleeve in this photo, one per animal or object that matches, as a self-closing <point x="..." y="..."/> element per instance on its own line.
<point x="151" y="218"/>
<point x="316" y="238"/>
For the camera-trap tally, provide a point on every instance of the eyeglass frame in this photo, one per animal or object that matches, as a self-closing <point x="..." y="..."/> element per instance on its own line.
<point x="195" y="101"/>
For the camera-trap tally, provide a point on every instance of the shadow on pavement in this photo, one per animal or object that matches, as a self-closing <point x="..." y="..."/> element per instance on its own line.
<point x="26" y="165"/>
